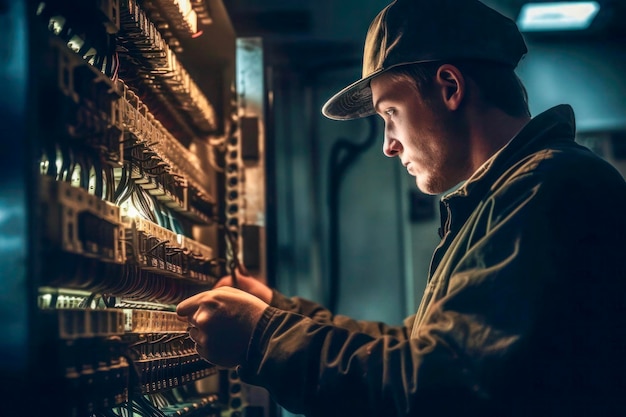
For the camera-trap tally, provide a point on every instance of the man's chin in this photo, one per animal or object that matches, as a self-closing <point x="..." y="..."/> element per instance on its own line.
<point x="425" y="186"/>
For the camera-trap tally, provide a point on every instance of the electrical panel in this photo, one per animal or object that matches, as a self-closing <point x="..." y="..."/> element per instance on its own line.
<point x="148" y="187"/>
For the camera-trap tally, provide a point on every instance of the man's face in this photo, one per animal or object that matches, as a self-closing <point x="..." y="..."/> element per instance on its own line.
<point x="429" y="139"/>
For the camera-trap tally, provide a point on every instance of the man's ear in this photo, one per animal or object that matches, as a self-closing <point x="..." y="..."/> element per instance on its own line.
<point x="452" y="86"/>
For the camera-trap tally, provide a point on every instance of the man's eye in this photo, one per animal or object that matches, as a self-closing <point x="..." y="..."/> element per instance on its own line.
<point x="390" y="112"/>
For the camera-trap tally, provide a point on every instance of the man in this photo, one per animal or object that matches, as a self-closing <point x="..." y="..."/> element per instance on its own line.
<point x="525" y="311"/>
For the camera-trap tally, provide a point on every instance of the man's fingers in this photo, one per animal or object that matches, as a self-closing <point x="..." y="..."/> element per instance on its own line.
<point x="192" y="309"/>
<point x="188" y="306"/>
<point x="226" y="281"/>
<point x="194" y="334"/>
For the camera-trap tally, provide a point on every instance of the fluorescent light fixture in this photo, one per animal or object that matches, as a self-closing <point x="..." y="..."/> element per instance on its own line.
<point x="565" y="15"/>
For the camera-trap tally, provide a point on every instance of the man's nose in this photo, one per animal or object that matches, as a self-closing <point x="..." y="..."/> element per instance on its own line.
<point x="391" y="146"/>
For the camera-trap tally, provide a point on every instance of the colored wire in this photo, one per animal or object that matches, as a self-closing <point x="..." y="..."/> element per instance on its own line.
<point x="123" y="190"/>
<point x="234" y="263"/>
<point x="110" y="183"/>
<point x="67" y="163"/>
<point x="96" y="165"/>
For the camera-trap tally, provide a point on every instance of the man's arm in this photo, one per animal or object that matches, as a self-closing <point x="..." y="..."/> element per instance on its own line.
<point x="531" y="323"/>
<point x="314" y="310"/>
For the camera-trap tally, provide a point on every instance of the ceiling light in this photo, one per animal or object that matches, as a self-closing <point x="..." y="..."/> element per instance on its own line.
<point x="570" y="15"/>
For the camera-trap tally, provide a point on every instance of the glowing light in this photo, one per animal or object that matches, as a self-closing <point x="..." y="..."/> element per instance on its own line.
<point x="536" y="17"/>
<point x="129" y="210"/>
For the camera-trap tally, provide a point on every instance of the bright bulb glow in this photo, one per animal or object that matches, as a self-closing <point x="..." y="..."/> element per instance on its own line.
<point x="59" y="164"/>
<point x="557" y="16"/>
<point x="129" y="210"/>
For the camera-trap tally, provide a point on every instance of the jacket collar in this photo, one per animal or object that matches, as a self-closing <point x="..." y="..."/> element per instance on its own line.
<point x="555" y="123"/>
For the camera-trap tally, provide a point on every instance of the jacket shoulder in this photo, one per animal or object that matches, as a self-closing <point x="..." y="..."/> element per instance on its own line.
<point x="564" y="163"/>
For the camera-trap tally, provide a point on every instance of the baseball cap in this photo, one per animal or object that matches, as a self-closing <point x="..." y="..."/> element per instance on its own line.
<point x="415" y="31"/>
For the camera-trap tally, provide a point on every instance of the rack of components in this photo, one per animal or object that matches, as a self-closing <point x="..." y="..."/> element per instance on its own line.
<point x="135" y="138"/>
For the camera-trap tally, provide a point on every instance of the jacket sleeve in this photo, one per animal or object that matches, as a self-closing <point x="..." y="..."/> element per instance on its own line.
<point x="501" y="339"/>
<point x="322" y="315"/>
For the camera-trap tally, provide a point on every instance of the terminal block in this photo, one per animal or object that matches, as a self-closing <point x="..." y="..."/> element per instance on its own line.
<point x="81" y="223"/>
<point x="151" y="321"/>
<point x="158" y="249"/>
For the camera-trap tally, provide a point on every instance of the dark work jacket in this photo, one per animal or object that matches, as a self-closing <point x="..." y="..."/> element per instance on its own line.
<point x="524" y="313"/>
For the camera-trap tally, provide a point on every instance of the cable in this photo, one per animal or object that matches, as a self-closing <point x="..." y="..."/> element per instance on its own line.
<point x="67" y="163"/>
<point x="142" y="204"/>
<point x="176" y="227"/>
<point x="110" y="183"/>
<point x="123" y="190"/>
<point x="116" y="68"/>
<point x="96" y="165"/>
<point x="234" y="264"/>
<point x="50" y="154"/>
<point x="161" y="220"/>
<point x="213" y="160"/>
<point x="146" y="406"/>
<point x="85" y="170"/>
<point x="86" y="302"/>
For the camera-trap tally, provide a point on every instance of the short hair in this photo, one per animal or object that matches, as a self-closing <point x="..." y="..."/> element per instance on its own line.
<point x="498" y="84"/>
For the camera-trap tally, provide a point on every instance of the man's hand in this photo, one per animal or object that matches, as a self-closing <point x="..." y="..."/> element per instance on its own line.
<point x="221" y="323"/>
<point x="249" y="285"/>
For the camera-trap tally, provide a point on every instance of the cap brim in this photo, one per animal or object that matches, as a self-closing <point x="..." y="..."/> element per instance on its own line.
<point x="353" y="102"/>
